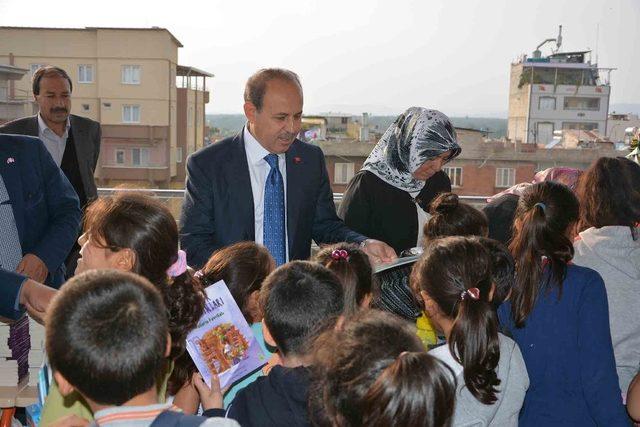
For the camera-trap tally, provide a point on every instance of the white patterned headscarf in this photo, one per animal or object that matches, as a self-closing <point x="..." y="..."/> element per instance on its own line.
<point x="417" y="135"/>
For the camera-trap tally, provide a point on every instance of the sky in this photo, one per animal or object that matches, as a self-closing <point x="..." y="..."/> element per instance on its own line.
<point x="372" y="56"/>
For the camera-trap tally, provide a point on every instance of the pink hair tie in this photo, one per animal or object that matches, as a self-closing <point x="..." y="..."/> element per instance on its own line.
<point x="339" y="254"/>
<point x="473" y="293"/>
<point x="180" y="266"/>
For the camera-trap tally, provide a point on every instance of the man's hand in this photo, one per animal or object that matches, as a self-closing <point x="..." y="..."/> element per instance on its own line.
<point x="33" y="267"/>
<point x="379" y="252"/>
<point x="210" y="398"/>
<point x="36" y="298"/>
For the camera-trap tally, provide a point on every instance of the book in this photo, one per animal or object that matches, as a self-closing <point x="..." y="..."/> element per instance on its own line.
<point x="222" y="343"/>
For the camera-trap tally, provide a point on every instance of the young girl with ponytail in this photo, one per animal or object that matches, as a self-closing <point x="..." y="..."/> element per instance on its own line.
<point x="557" y="313"/>
<point x="136" y="233"/>
<point x="453" y="279"/>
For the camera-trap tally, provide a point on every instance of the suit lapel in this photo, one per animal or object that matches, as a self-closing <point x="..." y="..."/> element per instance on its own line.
<point x="13" y="182"/>
<point x="294" y="190"/>
<point x="31" y="127"/>
<point x="79" y="143"/>
<point x="240" y="182"/>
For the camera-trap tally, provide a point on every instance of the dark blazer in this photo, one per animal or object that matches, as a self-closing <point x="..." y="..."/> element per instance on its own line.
<point x="381" y="211"/>
<point x="218" y="205"/>
<point x="86" y="137"/>
<point x="45" y="208"/>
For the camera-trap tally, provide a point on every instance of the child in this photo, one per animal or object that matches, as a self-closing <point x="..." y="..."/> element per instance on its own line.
<point x="134" y="232"/>
<point x="299" y="300"/>
<point x="374" y="371"/>
<point x="558" y="314"/>
<point x="243" y="266"/>
<point x="107" y="337"/>
<point x="449" y="217"/>
<point x="353" y="268"/>
<point x="453" y="279"/>
<point x="609" y="243"/>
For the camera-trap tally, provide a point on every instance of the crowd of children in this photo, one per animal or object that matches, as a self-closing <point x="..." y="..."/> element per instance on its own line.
<point x="541" y="332"/>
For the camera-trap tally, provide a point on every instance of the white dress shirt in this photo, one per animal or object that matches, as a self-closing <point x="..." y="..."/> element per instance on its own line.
<point x="259" y="171"/>
<point x="55" y="144"/>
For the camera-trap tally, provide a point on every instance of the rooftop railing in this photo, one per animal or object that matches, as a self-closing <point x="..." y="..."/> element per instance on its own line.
<point x="173" y="198"/>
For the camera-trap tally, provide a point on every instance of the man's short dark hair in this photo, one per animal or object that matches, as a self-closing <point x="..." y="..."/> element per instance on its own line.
<point x="107" y="335"/>
<point x="256" y="86"/>
<point x="48" y="71"/>
<point x="299" y="300"/>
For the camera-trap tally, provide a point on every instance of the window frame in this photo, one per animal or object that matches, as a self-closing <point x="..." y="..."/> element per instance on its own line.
<point x="123" y="74"/>
<point x="350" y="172"/>
<point x="457" y="174"/>
<point x="500" y="177"/>
<point x="132" y="107"/>
<point x="87" y="67"/>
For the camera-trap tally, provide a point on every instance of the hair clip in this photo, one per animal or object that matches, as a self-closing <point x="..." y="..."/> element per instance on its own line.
<point x="541" y="206"/>
<point x="339" y="254"/>
<point x="473" y="293"/>
<point x="180" y="266"/>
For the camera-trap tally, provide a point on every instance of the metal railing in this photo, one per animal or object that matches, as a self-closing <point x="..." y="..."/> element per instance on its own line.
<point x="173" y="198"/>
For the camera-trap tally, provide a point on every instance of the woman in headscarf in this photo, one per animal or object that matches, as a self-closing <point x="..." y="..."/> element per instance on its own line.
<point x="388" y="199"/>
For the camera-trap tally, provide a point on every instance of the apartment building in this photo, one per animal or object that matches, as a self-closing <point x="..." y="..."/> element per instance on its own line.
<point x="563" y="91"/>
<point x="150" y="107"/>
<point x="12" y="106"/>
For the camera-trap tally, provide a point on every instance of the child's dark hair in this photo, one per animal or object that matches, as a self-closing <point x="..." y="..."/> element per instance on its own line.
<point x="609" y="194"/>
<point x="503" y="269"/>
<point x="243" y="266"/>
<point x="106" y="335"/>
<point x="143" y="224"/>
<point x="374" y="371"/>
<point x="298" y="300"/>
<point x="455" y="272"/>
<point x="544" y="214"/>
<point x="353" y="268"/>
<point x="450" y="217"/>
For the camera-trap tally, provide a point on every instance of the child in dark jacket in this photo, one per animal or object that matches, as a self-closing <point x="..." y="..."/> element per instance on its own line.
<point x="299" y="300"/>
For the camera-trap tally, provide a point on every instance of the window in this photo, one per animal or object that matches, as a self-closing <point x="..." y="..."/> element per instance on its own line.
<point x="3" y="93"/>
<point x="546" y="103"/>
<point x="34" y="68"/>
<point x="581" y="103"/>
<point x="505" y="177"/>
<point x="579" y="126"/>
<point x="178" y="154"/>
<point x="344" y="120"/>
<point x="85" y="73"/>
<point x="86" y="107"/>
<point x="130" y="114"/>
<point x="131" y="74"/>
<point x="343" y="173"/>
<point x="119" y="156"/>
<point x="140" y="156"/>
<point x="455" y="175"/>
<point x="544" y="132"/>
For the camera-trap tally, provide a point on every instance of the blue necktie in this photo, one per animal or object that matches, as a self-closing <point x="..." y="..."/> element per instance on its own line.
<point x="273" y="233"/>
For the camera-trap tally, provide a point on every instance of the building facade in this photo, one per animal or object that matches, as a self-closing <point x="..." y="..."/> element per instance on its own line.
<point x="556" y="93"/>
<point x="129" y="80"/>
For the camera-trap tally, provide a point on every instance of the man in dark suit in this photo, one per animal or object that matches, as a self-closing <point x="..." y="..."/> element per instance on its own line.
<point x="72" y="141"/>
<point x="264" y="184"/>
<point x="39" y="222"/>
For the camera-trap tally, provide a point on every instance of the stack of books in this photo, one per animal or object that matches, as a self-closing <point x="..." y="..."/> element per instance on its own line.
<point x="15" y="343"/>
<point x="36" y="353"/>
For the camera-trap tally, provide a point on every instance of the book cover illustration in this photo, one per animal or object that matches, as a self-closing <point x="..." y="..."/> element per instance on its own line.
<point x="223" y="342"/>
